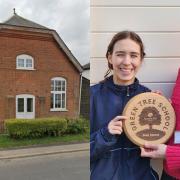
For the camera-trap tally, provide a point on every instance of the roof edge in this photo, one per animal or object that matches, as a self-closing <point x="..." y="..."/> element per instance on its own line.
<point x="67" y="51"/>
<point x="17" y="17"/>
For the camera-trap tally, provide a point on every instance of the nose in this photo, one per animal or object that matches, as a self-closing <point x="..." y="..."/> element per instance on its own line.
<point x="127" y="59"/>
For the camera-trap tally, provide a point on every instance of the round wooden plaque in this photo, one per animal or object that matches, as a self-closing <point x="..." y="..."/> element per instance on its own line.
<point x="151" y="118"/>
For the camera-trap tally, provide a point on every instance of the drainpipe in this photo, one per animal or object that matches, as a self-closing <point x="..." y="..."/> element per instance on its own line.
<point x="80" y="93"/>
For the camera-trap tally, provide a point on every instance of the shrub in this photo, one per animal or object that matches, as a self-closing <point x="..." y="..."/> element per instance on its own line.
<point x="32" y="128"/>
<point x="76" y="126"/>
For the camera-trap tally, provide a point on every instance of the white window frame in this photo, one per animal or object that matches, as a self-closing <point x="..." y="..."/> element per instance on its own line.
<point x="24" y="114"/>
<point x="25" y="58"/>
<point x="60" y="92"/>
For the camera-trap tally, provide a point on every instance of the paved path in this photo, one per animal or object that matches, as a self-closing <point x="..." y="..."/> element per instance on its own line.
<point x="38" y="151"/>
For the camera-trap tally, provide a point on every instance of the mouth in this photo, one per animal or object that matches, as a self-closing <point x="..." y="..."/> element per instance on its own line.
<point x="126" y="70"/>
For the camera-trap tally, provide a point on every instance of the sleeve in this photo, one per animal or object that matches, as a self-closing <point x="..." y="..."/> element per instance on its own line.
<point x="173" y="157"/>
<point x="101" y="140"/>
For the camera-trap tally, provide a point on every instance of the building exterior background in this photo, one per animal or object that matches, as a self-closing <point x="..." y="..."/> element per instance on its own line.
<point x="39" y="76"/>
<point x="157" y="22"/>
<point x="84" y="109"/>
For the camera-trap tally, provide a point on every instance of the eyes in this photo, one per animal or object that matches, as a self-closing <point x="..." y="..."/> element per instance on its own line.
<point x="131" y="55"/>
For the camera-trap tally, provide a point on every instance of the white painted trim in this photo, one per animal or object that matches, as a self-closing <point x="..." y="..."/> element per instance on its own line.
<point x="25" y="114"/>
<point x="80" y="87"/>
<point x="58" y="109"/>
<point x="25" y="57"/>
<point x="26" y="69"/>
<point x="59" y="92"/>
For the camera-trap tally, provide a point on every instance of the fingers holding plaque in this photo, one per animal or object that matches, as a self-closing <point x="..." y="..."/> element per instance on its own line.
<point x="150" y="118"/>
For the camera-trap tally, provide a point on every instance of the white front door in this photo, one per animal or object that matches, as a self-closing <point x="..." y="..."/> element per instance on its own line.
<point x="25" y="106"/>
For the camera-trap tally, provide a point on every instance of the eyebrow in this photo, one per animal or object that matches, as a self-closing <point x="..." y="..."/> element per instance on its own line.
<point x="125" y="52"/>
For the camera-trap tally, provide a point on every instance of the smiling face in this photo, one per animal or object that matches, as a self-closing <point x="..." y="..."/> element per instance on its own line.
<point x="125" y="60"/>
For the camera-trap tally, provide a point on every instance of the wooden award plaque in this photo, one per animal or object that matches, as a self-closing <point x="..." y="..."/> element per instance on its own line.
<point x="151" y="118"/>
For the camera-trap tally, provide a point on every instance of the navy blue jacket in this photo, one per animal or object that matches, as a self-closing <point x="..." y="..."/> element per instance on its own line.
<point x="114" y="157"/>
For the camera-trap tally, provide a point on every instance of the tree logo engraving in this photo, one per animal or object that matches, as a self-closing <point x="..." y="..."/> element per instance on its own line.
<point x="150" y="116"/>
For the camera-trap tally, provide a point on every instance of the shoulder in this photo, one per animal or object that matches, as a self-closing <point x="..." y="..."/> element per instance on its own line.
<point x="144" y="88"/>
<point x="140" y="87"/>
<point x="101" y="86"/>
<point x="96" y="88"/>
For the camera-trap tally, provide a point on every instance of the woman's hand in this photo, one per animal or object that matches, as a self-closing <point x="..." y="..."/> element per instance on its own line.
<point x="115" y="125"/>
<point x="158" y="92"/>
<point x="153" y="150"/>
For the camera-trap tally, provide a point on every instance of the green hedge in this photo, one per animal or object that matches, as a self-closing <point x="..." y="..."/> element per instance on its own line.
<point x="55" y="126"/>
<point x="77" y="126"/>
<point x="31" y="128"/>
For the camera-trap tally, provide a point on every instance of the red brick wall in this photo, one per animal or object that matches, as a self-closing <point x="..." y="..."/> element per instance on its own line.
<point x="49" y="61"/>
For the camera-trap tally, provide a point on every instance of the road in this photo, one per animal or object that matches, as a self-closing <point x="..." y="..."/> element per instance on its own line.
<point x="65" y="166"/>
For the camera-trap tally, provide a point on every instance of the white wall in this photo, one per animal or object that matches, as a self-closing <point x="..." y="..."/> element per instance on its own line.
<point x="158" y="24"/>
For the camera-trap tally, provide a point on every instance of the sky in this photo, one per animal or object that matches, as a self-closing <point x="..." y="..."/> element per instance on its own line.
<point x="70" y="18"/>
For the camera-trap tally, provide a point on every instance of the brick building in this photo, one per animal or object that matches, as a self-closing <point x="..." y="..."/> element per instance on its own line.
<point x="39" y="76"/>
<point x="85" y="108"/>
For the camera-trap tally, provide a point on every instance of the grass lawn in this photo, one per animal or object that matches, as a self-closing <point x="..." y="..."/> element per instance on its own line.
<point x="7" y="142"/>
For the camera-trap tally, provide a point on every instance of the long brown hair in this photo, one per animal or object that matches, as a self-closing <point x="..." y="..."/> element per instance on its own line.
<point x="120" y="36"/>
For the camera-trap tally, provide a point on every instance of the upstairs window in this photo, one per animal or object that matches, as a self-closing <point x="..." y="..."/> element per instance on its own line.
<point x="58" y="94"/>
<point x="25" y="62"/>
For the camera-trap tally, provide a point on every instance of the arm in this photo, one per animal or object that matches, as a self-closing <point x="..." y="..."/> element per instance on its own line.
<point x="154" y="150"/>
<point x="171" y="154"/>
<point x="103" y="139"/>
<point x="100" y="139"/>
<point x="100" y="142"/>
<point x="173" y="157"/>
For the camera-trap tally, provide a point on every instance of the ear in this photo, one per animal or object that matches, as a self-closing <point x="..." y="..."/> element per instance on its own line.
<point x="109" y="58"/>
<point x="142" y="61"/>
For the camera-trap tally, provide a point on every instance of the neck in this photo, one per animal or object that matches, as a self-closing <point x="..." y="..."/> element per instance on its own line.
<point x="123" y="82"/>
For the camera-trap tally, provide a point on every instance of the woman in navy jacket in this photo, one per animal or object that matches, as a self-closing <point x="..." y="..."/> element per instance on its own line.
<point x="113" y="156"/>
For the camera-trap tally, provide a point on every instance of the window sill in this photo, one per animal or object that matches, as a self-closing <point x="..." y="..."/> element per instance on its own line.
<point x="56" y="110"/>
<point x="25" y="69"/>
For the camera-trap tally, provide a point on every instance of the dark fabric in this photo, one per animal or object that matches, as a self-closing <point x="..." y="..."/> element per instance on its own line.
<point x="165" y="176"/>
<point x="114" y="157"/>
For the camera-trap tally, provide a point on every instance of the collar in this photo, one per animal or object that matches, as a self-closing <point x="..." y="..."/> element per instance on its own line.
<point x="121" y="88"/>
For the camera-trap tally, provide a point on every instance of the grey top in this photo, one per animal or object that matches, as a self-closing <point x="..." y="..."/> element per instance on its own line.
<point x="17" y="20"/>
